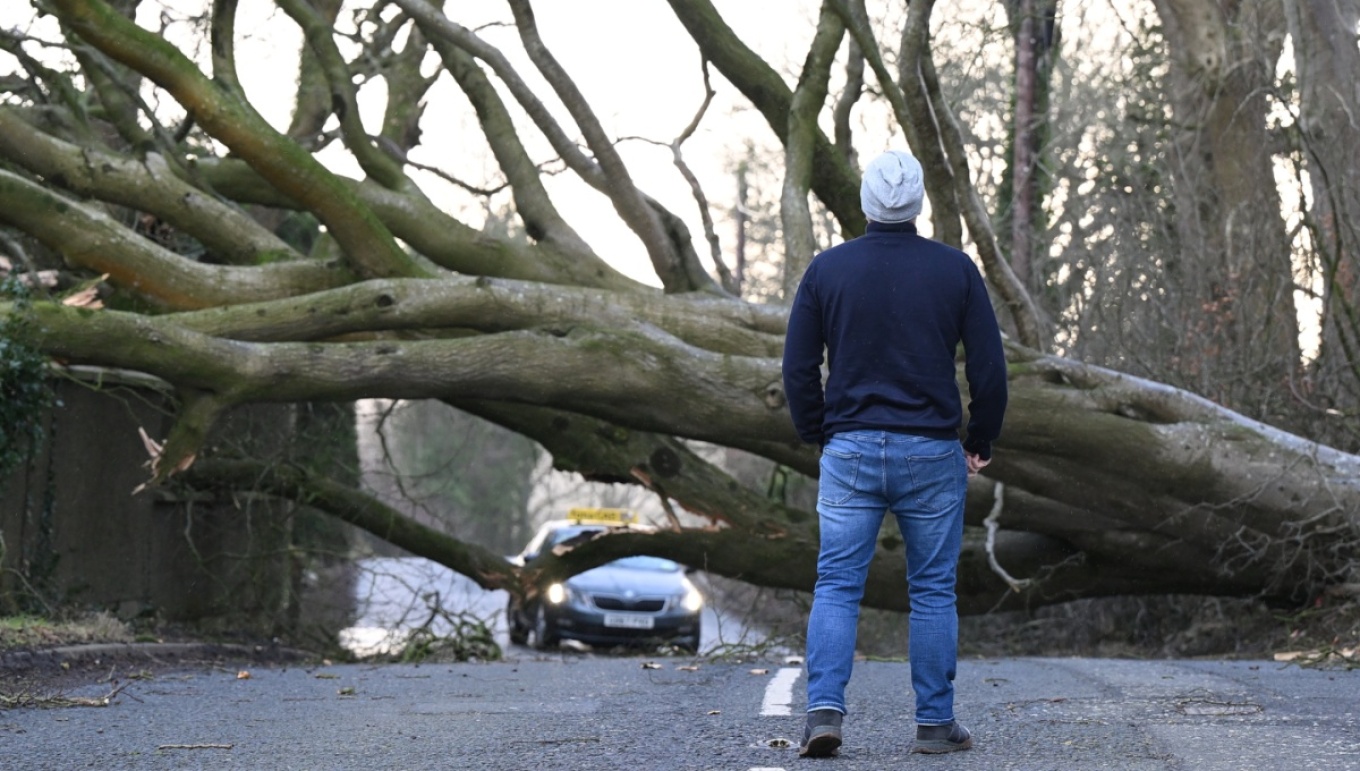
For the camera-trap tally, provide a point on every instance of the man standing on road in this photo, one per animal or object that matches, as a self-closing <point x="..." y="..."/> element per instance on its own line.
<point x="890" y="308"/>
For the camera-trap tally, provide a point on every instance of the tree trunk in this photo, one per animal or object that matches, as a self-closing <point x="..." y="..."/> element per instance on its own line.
<point x="1328" y="64"/>
<point x="1238" y="323"/>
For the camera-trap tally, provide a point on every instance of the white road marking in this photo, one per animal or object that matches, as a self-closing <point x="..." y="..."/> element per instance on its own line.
<point x="779" y="693"/>
<point x="762" y="768"/>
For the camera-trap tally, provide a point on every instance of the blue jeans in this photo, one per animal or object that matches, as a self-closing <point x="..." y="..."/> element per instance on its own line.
<point x="923" y="482"/>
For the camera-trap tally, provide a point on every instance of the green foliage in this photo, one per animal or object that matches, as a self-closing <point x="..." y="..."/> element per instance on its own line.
<point x="24" y="391"/>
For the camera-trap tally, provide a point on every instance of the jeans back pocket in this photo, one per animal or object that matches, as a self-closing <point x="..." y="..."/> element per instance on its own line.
<point x="938" y="481"/>
<point x="840" y="472"/>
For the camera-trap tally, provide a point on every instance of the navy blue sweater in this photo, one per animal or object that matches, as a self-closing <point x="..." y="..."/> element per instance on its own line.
<point x="890" y="309"/>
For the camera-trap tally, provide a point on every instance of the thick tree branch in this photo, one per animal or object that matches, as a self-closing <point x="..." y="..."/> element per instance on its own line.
<point x="915" y="120"/>
<point x="367" y="244"/>
<point x="91" y="239"/>
<point x="432" y="232"/>
<point x="485" y="305"/>
<point x="845" y="103"/>
<point x="489" y="570"/>
<point x="406" y="90"/>
<point x="381" y="167"/>
<point x="834" y="181"/>
<point x="222" y="41"/>
<point x="620" y="375"/>
<point x="150" y="185"/>
<point x="794" y="214"/>
<point x="439" y="27"/>
<point x="313" y="104"/>
<point x="120" y="107"/>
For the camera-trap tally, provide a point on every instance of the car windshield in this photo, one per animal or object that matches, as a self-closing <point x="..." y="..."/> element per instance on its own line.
<point x="641" y="562"/>
<point x="567" y="533"/>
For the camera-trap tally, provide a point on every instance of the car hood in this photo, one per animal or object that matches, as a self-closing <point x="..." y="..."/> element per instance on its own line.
<point x="614" y="579"/>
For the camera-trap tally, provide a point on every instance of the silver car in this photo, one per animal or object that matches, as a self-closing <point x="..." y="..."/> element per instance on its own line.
<point x="631" y="601"/>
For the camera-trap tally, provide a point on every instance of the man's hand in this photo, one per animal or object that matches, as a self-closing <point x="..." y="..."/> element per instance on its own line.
<point x="975" y="463"/>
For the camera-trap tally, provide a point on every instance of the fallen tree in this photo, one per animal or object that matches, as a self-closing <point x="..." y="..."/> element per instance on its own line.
<point x="1104" y="483"/>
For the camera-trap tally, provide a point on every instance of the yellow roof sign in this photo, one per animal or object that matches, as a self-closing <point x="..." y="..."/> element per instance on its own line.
<point x="611" y="516"/>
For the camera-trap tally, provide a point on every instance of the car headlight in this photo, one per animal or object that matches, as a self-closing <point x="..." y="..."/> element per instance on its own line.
<point x="557" y="593"/>
<point x="692" y="601"/>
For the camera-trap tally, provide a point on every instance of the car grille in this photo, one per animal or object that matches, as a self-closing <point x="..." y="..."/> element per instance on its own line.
<point x="644" y="604"/>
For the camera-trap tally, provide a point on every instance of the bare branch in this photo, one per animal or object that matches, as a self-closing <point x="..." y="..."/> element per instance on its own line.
<point x="485" y="192"/>
<point x="993" y="525"/>
<point x="916" y="56"/>
<point x="667" y="260"/>
<point x="541" y="219"/>
<point x="845" y="104"/>
<point x="729" y="282"/>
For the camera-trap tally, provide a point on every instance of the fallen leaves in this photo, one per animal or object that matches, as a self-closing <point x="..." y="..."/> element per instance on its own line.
<point x="1346" y="658"/>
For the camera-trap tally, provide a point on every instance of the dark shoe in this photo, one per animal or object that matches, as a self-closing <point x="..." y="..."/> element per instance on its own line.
<point x="935" y="739"/>
<point x="822" y="735"/>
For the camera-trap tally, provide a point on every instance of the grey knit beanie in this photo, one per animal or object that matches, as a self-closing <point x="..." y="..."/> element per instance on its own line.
<point x="892" y="188"/>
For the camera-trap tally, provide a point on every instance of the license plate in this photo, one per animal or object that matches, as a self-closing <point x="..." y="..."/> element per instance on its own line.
<point x="628" y="621"/>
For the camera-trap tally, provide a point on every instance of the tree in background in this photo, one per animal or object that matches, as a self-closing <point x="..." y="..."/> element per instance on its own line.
<point x="452" y="472"/>
<point x="1105" y="483"/>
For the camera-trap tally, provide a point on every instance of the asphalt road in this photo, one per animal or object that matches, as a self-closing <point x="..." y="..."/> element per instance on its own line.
<point x="576" y="711"/>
